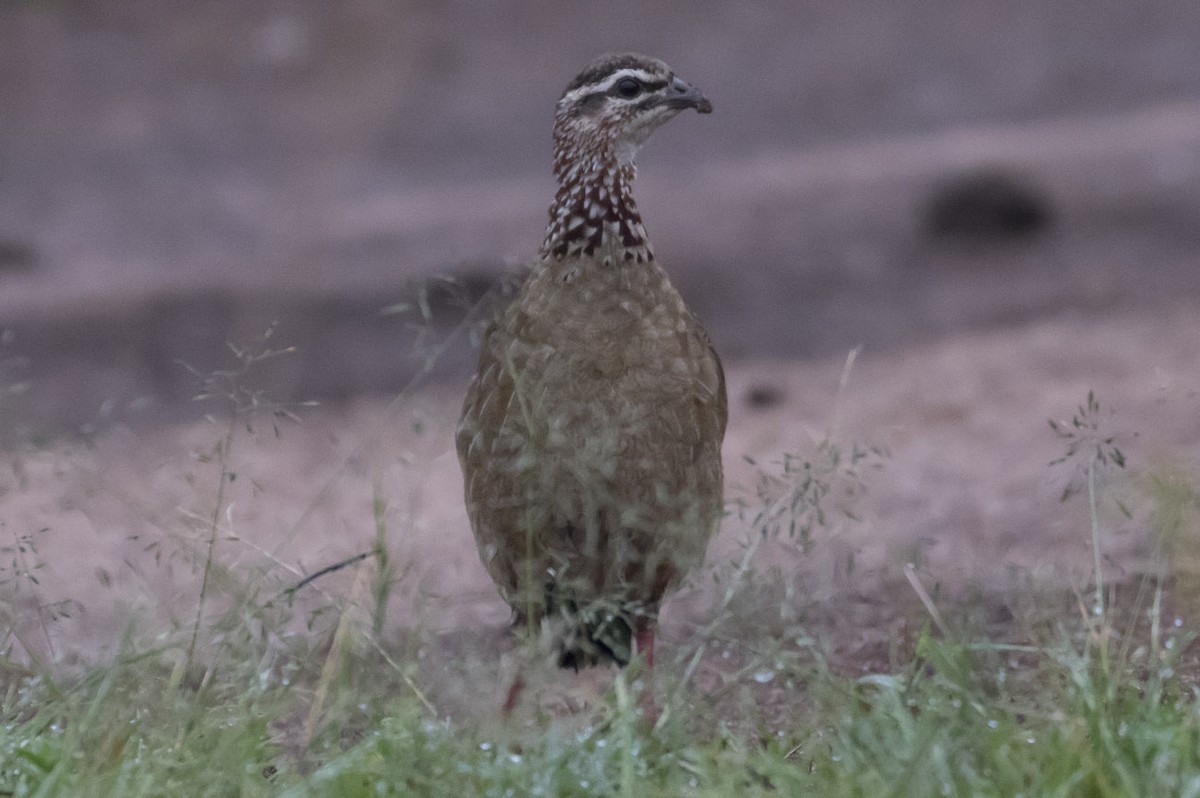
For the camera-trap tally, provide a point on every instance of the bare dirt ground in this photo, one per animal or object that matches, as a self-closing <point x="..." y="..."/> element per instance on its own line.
<point x="965" y="494"/>
<point x="175" y="181"/>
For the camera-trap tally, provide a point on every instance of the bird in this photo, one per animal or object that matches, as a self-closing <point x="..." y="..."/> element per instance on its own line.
<point x="590" y="436"/>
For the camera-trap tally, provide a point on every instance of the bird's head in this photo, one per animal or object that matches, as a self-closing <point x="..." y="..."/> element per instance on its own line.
<point x="616" y="102"/>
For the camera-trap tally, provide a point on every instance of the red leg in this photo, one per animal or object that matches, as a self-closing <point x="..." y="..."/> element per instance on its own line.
<point x="514" y="693"/>
<point x="644" y="642"/>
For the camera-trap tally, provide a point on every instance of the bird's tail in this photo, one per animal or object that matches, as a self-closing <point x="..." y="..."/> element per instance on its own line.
<point x="592" y="633"/>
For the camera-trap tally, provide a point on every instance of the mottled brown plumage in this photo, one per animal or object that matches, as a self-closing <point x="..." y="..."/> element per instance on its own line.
<point x="590" y="439"/>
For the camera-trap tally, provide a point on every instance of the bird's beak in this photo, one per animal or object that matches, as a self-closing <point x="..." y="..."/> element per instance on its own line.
<point x="684" y="95"/>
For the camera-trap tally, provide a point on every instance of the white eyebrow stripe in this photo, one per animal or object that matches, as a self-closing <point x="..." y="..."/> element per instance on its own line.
<point x="610" y="81"/>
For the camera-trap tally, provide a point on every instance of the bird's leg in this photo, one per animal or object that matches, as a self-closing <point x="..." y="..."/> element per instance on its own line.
<point x="513" y="694"/>
<point x="644" y="644"/>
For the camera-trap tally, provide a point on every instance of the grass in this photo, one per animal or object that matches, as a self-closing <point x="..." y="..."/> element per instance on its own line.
<point x="1093" y="694"/>
<point x="959" y="719"/>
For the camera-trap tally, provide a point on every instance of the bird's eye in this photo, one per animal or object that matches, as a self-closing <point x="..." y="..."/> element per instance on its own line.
<point x="629" y="87"/>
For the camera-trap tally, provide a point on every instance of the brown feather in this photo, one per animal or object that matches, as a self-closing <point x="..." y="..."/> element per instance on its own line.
<point x="590" y="445"/>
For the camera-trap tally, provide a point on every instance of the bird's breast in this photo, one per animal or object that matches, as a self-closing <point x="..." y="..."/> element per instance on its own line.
<point x="603" y="365"/>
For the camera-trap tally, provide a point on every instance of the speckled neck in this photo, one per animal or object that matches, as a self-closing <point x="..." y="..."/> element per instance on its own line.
<point x="593" y="214"/>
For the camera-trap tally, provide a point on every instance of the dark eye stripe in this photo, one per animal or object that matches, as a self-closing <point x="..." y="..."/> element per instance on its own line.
<point x="590" y="100"/>
<point x="646" y="87"/>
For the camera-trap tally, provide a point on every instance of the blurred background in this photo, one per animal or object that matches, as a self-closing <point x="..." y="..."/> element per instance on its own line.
<point x="174" y="177"/>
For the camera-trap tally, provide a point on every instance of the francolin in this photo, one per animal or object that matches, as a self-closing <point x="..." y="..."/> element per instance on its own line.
<point x="590" y="439"/>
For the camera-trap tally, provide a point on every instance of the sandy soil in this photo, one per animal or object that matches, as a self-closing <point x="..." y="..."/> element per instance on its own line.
<point x="964" y="492"/>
